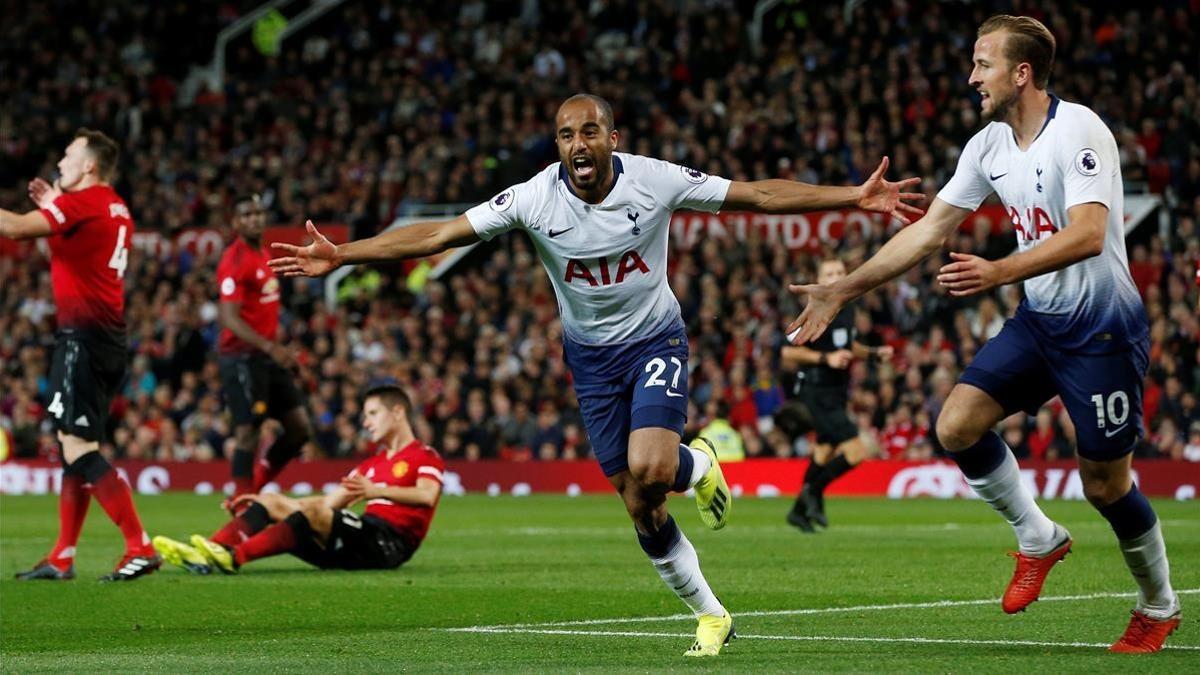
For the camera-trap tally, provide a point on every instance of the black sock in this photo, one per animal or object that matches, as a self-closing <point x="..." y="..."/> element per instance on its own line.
<point x="243" y="463"/>
<point x="833" y="470"/>
<point x="812" y="477"/>
<point x="814" y="472"/>
<point x="255" y="516"/>
<point x="300" y="526"/>
<point x="658" y="544"/>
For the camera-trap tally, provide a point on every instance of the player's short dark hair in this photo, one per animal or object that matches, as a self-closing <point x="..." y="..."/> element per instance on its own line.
<point x="390" y="395"/>
<point x="103" y="149"/>
<point x="1029" y="41"/>
<point x="244" y="197"/>
<point x="606" y="111"/>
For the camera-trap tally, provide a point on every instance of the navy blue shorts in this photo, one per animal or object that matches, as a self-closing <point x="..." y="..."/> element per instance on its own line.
<point x="1102" y="392"/>
<point x="633" y="385"/>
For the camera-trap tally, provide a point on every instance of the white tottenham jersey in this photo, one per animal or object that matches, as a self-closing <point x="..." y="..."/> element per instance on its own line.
<point x="1072" y="161"/>
<point x="607" y="261"/>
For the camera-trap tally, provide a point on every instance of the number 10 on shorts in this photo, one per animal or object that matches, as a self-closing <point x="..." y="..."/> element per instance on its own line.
<point x="1114" y="410"/>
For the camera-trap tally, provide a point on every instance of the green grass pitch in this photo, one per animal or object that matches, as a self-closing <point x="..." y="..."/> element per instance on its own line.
<point x="892" y="586"/>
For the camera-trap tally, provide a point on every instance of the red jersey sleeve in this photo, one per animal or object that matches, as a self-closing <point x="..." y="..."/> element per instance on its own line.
<point x="66" y="213"/>
<point x="229" y="277"/>
<point x="431" y="467"/>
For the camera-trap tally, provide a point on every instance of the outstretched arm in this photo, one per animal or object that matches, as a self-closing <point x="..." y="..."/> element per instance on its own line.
<point x="412" y="241"/>
<point x="1082" y="238"/>
<point x="35" y="223"/>
<point x="785" y="196"/>
<point x="24" y="226"/>
<point x="901" y="252"/>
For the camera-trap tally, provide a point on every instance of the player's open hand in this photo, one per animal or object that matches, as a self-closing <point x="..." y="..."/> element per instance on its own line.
<point x="42" y="193"/>
<point x="884" y="196"/>
<point x="317" y="259"/>
<point x="970" y="274"/>
<point x="823" y="305"/>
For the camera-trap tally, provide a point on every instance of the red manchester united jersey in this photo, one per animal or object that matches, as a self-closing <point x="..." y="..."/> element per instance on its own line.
<point x="243" y="276"/>
<point x="413" y="461"/>
<point x="89" y="250"/>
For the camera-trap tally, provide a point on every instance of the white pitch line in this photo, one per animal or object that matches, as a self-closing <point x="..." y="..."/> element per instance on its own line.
<point x="800" y="612"/>
<point x="813" y="638"/>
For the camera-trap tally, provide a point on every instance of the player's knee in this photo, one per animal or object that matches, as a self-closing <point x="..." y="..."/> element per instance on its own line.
<point x="246" y="437"/>
<point x="316" y="513"/>
<point x="954" y="430"/>
<point x="651" y="471"/>
<point x="1101" y="491"/>
<point x="297" y="427"/>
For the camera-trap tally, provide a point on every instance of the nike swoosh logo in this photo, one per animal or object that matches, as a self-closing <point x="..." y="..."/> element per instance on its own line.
<point x="1114" y="432"/>
<point x="991" y="177"/>
<point x="554" y="234"/>
<point x="673" y="394"/>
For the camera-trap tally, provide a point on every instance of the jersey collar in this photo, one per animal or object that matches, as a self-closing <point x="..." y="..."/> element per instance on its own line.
<point x="412" y="445"/>
<point x="618" y="169"/>
<point x="1050" y="113"/>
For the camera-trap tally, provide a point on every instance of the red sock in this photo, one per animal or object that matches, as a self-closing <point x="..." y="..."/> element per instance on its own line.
<point x="243" y="485"/>
<point x="244" y="525"/>
<point x="72" y="510"/>
<point x="263" y="474"/>
<point x="114" y="495"/>
<point x="276" y="539"/>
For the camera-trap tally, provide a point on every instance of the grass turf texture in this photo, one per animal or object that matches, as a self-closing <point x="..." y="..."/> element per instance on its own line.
<point x="540" y="559"/>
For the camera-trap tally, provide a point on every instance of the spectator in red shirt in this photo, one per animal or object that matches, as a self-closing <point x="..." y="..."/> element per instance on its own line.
<point x="1044" y="442"/>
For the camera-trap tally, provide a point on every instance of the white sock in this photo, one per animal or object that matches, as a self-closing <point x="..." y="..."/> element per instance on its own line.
<point x="700" y="464"/>
<point x="680" y="569"/>
<point x="1006" y="493"/>
<point x="1146" y="557"/>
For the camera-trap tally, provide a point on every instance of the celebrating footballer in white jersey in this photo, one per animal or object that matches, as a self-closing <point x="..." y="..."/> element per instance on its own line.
<point x="599" y="220"/>
<point x="1081" y="333"/>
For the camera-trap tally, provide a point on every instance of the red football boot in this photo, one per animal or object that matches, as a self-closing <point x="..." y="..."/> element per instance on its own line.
<point x="1145" y="634"/>
<point x="1027" y="580"/>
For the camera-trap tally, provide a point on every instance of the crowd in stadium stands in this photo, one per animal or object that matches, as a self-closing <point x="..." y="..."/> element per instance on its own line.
<point x="380" y="108"/>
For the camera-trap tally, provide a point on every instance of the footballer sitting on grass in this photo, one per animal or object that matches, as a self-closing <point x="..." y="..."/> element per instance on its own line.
<point x="401" y="485"/>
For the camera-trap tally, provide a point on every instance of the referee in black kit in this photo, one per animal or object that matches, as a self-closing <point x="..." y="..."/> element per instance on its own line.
<point x="822" y="388"/>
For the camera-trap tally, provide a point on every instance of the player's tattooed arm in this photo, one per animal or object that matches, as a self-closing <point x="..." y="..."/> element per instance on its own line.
<point x="785" y="196"/>
<point x="411" y="241"/>
<point x="1082" y="238"/>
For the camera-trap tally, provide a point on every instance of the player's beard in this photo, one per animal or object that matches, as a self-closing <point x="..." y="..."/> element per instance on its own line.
<point x="1000" y="109"/>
